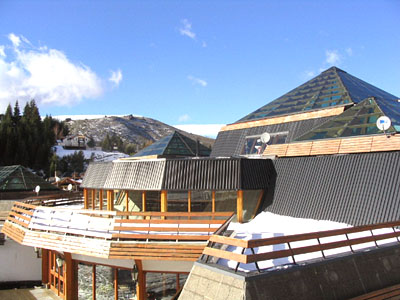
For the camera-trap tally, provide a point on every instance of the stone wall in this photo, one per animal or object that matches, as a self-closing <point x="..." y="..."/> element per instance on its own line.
<point x="205" y="282"/>
<point x="339" y="277"/>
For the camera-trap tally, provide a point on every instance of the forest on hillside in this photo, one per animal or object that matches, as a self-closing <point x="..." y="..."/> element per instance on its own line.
<point x="26" y="139"/>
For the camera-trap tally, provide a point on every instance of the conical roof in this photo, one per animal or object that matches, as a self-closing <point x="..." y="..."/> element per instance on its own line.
<point x="18" y="178"/>
<point x="175" y="145"/>
<point x="357" y="120"/>
<point x="332" y="88"/>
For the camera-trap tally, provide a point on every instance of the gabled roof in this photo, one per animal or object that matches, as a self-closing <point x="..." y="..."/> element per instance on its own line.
<point x="174" y="145"/>
<point x="357" y="120"/>
<point x="333" y="87"/>
<point x="18" y="178"/>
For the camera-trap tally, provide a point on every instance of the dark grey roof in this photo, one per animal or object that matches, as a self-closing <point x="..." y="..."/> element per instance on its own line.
<point x="19" y="178"/>
<point x="96" y="175"/>
<point x="182" y="174"/>
<point x="136" y="175"/>
<point x="175" y="145"/>
<point x="218" y="174"/>
<point x="231" y="142"/>
<point x="355" y="188"/>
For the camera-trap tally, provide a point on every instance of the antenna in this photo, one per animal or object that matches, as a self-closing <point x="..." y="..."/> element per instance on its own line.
<point x="383" y="123"/>
<point x="265" y="137"/>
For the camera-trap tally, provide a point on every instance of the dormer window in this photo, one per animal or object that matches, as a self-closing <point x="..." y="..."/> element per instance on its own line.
<point x="253" y="144"/>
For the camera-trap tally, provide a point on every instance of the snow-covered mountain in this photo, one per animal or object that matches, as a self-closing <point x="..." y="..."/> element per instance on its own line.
<point x="133" y="129"/>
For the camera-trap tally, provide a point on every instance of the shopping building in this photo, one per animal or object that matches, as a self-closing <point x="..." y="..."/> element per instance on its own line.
<point x="315" y="152"/>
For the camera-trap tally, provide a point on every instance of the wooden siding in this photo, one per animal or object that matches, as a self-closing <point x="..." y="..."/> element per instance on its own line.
<point x="286" y="119"/>
<point x="364" y="144"/>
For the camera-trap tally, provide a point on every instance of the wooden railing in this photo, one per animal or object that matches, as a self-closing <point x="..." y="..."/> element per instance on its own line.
<point x="347" y="237"/>
<point x="114" y="225"/>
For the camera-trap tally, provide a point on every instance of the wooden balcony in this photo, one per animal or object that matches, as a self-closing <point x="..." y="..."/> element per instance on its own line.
<point x="113" y="234"/>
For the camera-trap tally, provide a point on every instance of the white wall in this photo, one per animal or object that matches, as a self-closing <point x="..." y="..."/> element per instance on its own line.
<point x="19" y="263"/>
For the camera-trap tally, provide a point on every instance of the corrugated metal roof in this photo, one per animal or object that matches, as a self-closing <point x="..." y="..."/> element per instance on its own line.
<point x="96" y="175"/>
<point x="136" y="175"/>
<point x="231" y="142"/>
<point x="355" y="188"/>
<point x="181" y="174"/>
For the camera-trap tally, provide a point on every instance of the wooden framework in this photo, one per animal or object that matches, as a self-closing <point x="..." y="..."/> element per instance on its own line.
<point x="376" y="143"/>
<point x="174" y="235"/>
<point x="286" y="119"/>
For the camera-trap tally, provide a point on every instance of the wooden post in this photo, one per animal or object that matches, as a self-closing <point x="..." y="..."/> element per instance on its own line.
<point x="258" y="203"/>
<point x="164" y="201"/>
<point x="45" y="266"/>
<point x="110" y="200"/>
<point x="213" y="201"/>
<point x="239" y="206"/>
<point x="189" y="201"/>
<point x="141" y="290"/>
<point x="101" y="199"/>
<point x="93" y="199"/>
<point x="116" y="283"/>
<point x="94" y="282"/>
<point x="127" y="202"/>
<point x="143" y="201"/>
<point x="70" y="277"/>
<point x="178" y="284"/>
<point x="85" y="198"/>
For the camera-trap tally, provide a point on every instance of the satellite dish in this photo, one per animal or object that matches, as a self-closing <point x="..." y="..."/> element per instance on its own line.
<point x="265" y="137"/>
<point x="383" y="123"/>
<point x="37" y="189"/>
<point x="69" y="187"/>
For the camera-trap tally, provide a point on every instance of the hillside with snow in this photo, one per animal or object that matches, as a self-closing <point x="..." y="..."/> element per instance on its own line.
<point x="132" y="129"/>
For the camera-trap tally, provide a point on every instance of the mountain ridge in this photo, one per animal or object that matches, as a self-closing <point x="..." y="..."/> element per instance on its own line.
<point x="138" y="130"/>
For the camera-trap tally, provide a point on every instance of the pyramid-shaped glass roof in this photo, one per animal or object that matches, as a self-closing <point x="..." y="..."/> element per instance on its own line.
<point x="357" y="120"/>
<point x="333" y="87"/>
<point x="14" y="178"/>
<point x="175" y="144"/>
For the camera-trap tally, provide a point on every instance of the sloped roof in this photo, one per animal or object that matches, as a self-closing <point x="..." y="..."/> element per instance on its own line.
<point x="18" y="178"/>
<point x="357" y="120"/>
<point x="175" y="144"/>
<point x="333" y="87"/>
<point x="177" y="174"/>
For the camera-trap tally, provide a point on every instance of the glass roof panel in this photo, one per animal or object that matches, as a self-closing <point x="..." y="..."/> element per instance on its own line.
<point x="175" y="144"/>
<point x="357" y="120"/>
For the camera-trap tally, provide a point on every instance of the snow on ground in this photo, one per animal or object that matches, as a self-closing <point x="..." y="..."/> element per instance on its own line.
<point x="99" y="155"/>
<point x="88" y="117"/>
<point x="268" y="225"/>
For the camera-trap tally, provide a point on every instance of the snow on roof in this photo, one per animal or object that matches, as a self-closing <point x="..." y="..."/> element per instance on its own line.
<point x="269" y="225"/>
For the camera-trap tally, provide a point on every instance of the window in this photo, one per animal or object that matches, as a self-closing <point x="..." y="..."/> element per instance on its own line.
<point x="254" y="146"/>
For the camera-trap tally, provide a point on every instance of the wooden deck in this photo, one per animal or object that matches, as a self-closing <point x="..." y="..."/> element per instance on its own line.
<point x="28" y="294"/>
<point x="392" y="293"/>
<point x="112" y="234"/>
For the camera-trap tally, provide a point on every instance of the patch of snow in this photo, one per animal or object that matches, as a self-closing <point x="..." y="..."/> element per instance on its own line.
<point x="99" y="155"/>
<point x="88" y="117"/>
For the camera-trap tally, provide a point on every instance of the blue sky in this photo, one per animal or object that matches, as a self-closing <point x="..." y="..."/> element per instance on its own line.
<point x="187" y="62"/>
